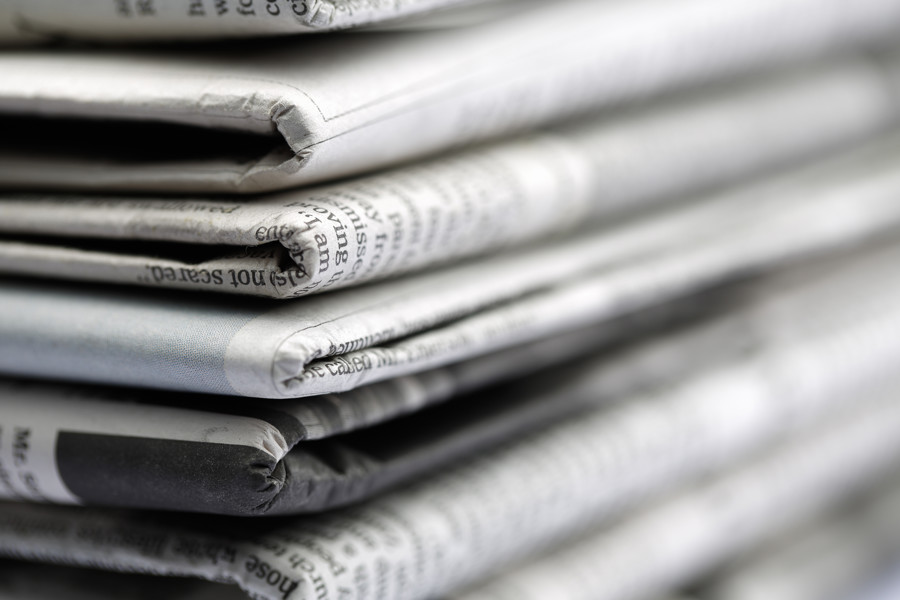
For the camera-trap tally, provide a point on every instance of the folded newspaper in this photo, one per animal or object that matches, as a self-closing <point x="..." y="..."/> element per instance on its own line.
<point x="22" y="580"/>
<point x="345" y="339"/>
<point x="846" y="550"/>
<point x="267" y="429"/>
<point x="454" y="528"/>
<point x="474" y="202"/>
<point x="775" y="359"/>
<point x="832" y="559"/>
<point x="32" y="20"/>
<point x="216" y="455"/>
<point x="251" y="117"/>
<point x="244" y="461"/>
<point x="674" y="542"/>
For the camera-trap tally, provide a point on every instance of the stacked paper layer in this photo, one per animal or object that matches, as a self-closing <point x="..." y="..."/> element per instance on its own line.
<point x="478" y="300"/>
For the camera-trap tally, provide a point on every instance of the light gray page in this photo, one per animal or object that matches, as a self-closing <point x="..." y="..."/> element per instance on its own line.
<point x="331" y="106"/>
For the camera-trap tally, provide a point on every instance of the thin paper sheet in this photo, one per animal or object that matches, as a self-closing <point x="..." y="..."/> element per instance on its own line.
<point x="121" y="20"/>
<point x="466" y="513"/>
<point x="673" y="543"/>
<point x="346" y="339"/>
<point x="846" y="554"/>
<point x="797" y="348"/>
<point x="332" y="106"/>
<point x="469" y="204"/>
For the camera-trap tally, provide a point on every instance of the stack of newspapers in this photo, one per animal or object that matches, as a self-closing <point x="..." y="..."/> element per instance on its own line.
<point x="447" y="299"/>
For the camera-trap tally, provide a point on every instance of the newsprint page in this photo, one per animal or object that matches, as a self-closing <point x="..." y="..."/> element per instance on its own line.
<point x="449" y="299"/>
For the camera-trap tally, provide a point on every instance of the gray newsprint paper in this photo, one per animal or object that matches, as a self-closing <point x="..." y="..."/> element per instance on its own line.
<point x="829" y="559"/>
<point x="120" y="20"/>
<point x="783" y="359"/>
<point x="302" y="112"/>
<point x="452" y="529"/>
<point x="21" y="580"/>
<point x="226" y="479"/>
<point x="884" y="586"/>
<point x="673" y="543"/>
<point x="345" y="339"/>
<point x="836" y="558"/>
<point x="475" y="202"/>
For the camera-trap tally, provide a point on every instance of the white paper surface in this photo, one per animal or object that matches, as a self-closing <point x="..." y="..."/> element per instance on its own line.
<point x="431" y="538"/>
<point x="839" y="557"/>
<point x="468" y="204"/>
<point x="30" y="20"/>
<point x="33" y="416"/>
<point x="335" y="106"/>
<point x="677" y="541"/>
<point x="342" y="340"/>
<point x="795" y="346"/>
